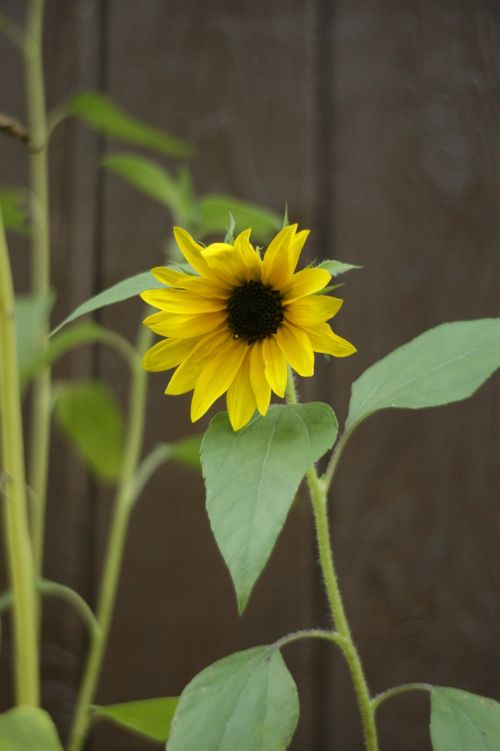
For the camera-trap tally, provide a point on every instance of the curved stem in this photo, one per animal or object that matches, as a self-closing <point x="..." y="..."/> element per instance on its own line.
<point x="318" y="493"/>
<point x="115" y="547"/>
<point x="312" y="633"/>
<point x="14" y="503"/>
<point x="396" y="690"/>
<point x="40" y="266"/>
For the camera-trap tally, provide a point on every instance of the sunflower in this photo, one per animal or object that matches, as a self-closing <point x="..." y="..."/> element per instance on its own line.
<point x="237" y="323"/>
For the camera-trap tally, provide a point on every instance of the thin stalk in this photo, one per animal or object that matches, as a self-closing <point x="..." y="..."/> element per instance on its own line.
<point x="40" y="266"/>
<point x="115" y="547"/>
<point x="396" y="690"/>
<point x="14" y="503"/>
<point x="318" y="495"/>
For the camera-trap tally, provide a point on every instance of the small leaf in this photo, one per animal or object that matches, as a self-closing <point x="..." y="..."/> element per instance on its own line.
<point x="215" y="211"/>
<point x="251" y="478"/>
<point x="91" y="419"/>
<point x="124" y="290"/>
<point x="152" y="179"/>
<point x="187" y="451"/>
<point x="335" y="268"/>
<point x="101" y="113"/>
<point x="31" y="314"/>
<point x="443" y="365"/>
<point x="26" y="728"/>
<point x="150" y="718"/>
<point x="247" y="701"/>
<point x="461" y="721"/>
<point x="13" y="206"/>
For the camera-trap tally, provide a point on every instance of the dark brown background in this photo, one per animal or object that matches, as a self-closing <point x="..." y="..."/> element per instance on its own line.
<point x="378" y="122"/>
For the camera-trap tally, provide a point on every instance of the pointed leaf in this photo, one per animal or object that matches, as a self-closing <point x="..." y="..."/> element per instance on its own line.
<point x="335" y="268"/>
<point x="461" y="721"/>
<point x="26" y="728"/>
<point x="443" y="365"/>
<point x="150" y="718"/>
<point x="124" y="290"/>
<point x="215" y="217"/>
<point x="101" y="113"/>
<point x="152" y="179"/>
<point x="247" y="701"/>
<point x="251" y="478"/>
<point x="92" y="420"/>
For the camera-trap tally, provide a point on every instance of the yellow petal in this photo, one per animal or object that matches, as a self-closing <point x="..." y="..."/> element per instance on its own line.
<point x="275" y="365"/>
<point x="167" y="354"/>
<point x="200" y="286"/>
<point x="305" y="282"/>
<point x="170" y="277"/>
<point x="324" y="340"/>
<point x="184" y="327"/>
<point x="181" y="301"/>
<point x="276" y="266"/>
<point x="240" y="398"/>
<point x="192" y="252"/>
<point x="185" y="377"/>
<point x="296" y="347"/>
<point x="216" y="377"/>
<point x="249" y="256"/>
<point x="296" y="246"/>
<point x="258" y="379"/>
<point x="226" y="263"/>
<point x="311" y="310"/>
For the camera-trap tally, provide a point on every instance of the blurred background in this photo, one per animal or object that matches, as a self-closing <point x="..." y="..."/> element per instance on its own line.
<point x="377" y="121"/>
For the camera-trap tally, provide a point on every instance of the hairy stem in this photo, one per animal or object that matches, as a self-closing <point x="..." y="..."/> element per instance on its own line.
<point x="115" y="547"/>
<point x="40" y="267"/>
<point x="318" y="494"/>
<point x="14" y="502"/>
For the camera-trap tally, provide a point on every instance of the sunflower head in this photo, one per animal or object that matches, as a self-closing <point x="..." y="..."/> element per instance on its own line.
<point x="237" y="323"/>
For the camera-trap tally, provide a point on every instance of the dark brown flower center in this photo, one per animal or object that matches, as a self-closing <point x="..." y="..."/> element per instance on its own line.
<point x="254" y="311"/>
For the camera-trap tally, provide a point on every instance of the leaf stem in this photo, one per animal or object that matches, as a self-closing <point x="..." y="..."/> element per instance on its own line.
<point x="40" y="267"/>
<point x="312" y="633"/>
<point x="115" y="547"/>
<point x="16" y="529"/>
<point x="396" y="690"/>
<point x="318" y="494"/>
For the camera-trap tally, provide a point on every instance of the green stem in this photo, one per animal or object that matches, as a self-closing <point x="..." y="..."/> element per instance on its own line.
<point x="16" y="529"/>
<point x="310" y="633"/>
<point x="318" y="493"/>
<point x="40" y="267"/>
<point x="396" y="690"/>
<point x="115" y="547"/>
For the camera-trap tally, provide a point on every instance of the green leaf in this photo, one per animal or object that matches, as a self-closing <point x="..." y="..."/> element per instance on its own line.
<point x="31" y="314"/>
<point x="443" y="365"/>
<point x="26" y="728"/>
<point x="215" y="213"/>
<point x="152" y="179"/>
<point x="335" y="268"/>
<point x="13" y="206"/>
<point x="247" y="701"/>
<point x="91" y="418"/>
<point x="461" y="721"/>
<point x="124" y="290"/>
<point x="251" y="478"/>
<point x="150" y="718"/>
<point x="101" y="113"/>
<point x="187" y="451"/>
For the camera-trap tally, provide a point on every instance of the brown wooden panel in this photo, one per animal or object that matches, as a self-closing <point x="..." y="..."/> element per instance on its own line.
<point x="416" y="155"/>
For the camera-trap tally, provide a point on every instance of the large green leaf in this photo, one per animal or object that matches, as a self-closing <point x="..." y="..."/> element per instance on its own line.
<point x="252" y="477"/>
<point x="336" y="268"/>
<point x="443" y="365"/>
<point x="101" y="113"/>
<point x="28" y="729"/>
<point x="91" y="419"/>
<point x="31" y="314"/>
<point x="150" y="718"/>
<point x="461" y="721"/>
<point x="152" y="179"/>
<point x="124" y="290"/>
<point x="13" y="206"/>
<point x="247" y="701"/>
<point x="215" y="217"/>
